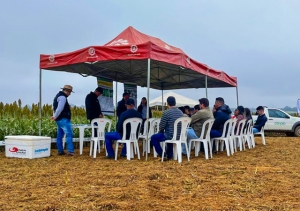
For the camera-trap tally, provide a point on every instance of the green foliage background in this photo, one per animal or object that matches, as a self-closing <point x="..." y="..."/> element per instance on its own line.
<point x="18" y="120"/>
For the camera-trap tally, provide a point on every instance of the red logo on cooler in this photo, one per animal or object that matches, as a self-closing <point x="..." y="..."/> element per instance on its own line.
<point x="14" y="149"/>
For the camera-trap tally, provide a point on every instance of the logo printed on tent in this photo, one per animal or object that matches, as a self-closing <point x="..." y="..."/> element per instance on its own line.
<point x="51" y="58"/>
<point x="92" y="51"/>
<point x="133" y="48"/>
<point x="118" y="42"/>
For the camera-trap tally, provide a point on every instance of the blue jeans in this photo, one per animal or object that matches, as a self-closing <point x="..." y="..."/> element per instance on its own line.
<point x="64" y="126"/>
<point x="255" y="130"/>
<point x="110" y="137"/>
<point x="156" y="139"/>
<point x="215" y="133"/>
<point x="190" y="135"/>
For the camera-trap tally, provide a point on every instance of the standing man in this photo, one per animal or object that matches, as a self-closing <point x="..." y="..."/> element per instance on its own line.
<point x="62" y="117"/>
<point x="166" y="128"/>
<point x="203" y="114"/>
<point x="110" y="137"/>
<point x="121" y="104"/>
<point x="221" y="113"/>
<point x="261" y="119"/>
<point x="92" y="105"/>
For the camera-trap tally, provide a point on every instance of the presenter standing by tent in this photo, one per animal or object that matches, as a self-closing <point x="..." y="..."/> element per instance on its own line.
<point x="62" y="117"/>
<point x="92" y="105"/>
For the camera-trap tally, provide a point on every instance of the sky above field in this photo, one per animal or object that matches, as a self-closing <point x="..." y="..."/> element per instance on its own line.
<point x="256" y="41"/>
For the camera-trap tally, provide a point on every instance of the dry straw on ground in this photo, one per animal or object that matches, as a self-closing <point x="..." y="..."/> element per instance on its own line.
<point x="264" y="178"/>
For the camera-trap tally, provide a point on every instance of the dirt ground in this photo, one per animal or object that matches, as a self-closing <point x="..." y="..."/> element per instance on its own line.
<point x="263" y="178"/>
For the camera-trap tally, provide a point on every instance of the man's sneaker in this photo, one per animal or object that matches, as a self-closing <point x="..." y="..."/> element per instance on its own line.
<point x="61" y="153"/>
<point x="70" y="154"/>
<point x="123" y="156"/>
<point x="109" y="157"/>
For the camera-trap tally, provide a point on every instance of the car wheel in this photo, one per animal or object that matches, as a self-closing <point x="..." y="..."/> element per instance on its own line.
<point x="297" y="131"/>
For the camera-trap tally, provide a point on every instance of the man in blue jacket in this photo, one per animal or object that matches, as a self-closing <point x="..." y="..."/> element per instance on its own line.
<point x="110" y="137"/>
<point x="221" y="114"/>
<point x="261" y="119"/>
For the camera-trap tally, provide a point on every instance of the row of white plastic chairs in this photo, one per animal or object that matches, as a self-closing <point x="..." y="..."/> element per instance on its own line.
<point x="229" y="137"/>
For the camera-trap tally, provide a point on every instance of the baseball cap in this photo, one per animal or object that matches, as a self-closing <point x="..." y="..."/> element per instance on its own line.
<point x="130" y="101"/>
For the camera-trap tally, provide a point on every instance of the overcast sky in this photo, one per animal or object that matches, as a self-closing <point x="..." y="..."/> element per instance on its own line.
<point x="256" y="41"/>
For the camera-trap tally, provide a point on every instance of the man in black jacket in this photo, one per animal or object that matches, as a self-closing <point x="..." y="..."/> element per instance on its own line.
<point x="221" y="114"/>
<point x="121" y="104"/>
<point x="92" y="105"/>
<point x="261" y="120"/>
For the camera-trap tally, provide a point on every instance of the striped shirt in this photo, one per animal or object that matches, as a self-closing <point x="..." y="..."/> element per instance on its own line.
<point x="167" y="122"/>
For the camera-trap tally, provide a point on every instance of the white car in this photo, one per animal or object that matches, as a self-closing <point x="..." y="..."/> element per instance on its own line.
<point x="280" y="121"/>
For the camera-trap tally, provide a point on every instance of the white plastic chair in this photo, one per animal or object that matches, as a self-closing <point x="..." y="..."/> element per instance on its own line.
<point x="262" y="134"/>
<point x="155" y="125"/>
<point x="177" y="152"/>
<point x="100" y="127"/>
<point x="148" y="123"/>
<point x="132" y="142"/>
<point x="238" y="135"/>
<point x="248" y="135"/>
<point x="204" y="138"/>
<point x="225" y="138"/>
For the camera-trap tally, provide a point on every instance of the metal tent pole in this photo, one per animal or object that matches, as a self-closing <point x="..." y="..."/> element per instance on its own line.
<point x="116" y="102"/>
<point x="148" y="86"/>
<point x="206" y="83"/>
<point x="40" y="102"/>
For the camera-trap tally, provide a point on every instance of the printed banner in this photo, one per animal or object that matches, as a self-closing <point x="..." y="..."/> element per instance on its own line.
<point x="132" y="90"/>
<point x="106" y="99"/>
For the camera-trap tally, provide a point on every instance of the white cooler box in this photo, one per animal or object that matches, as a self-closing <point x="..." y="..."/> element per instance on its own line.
<point x="24" y="146"/>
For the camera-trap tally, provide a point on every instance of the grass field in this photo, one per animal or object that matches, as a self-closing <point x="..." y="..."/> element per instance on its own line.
<point x="263" y="178"/>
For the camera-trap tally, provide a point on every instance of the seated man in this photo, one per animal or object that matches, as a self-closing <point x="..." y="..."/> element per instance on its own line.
<point x="203" y="114"/>
<point x="261" y="119"/>
<point x="196" y="108"/>
<point x="221" y="114"/>
<point x="166" y="128"/>
<point x="111" y="136"/>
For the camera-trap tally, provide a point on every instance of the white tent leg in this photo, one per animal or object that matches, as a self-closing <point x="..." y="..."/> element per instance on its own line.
<point x="162" y="100"/>
<point x="148" y="86"/>
<point x="40" y="102"/>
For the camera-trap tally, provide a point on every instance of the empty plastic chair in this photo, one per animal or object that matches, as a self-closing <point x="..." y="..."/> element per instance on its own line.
<point x="96" y="138"/>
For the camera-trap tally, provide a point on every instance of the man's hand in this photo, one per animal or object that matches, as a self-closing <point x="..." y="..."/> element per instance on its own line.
<point x="53" y="118"/>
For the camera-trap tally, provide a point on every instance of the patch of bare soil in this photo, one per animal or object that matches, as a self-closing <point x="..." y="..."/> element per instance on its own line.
<point x="263" y="178"/>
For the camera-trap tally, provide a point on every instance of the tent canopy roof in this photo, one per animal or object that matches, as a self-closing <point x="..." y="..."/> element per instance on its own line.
<point x="180" y="100"/>
<point x="125" y="59"/>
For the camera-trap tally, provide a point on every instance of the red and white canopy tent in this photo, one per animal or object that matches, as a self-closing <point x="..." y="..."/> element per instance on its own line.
<point x="141" y="59"/>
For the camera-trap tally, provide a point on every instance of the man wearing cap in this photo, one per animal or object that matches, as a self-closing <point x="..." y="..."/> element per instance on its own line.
<point x="117" y="135"/>
<point x="62" y="117"/>
<point x="166" y="128"/>
<point x="121" y="104"/>
<point x="92" y="105"/>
